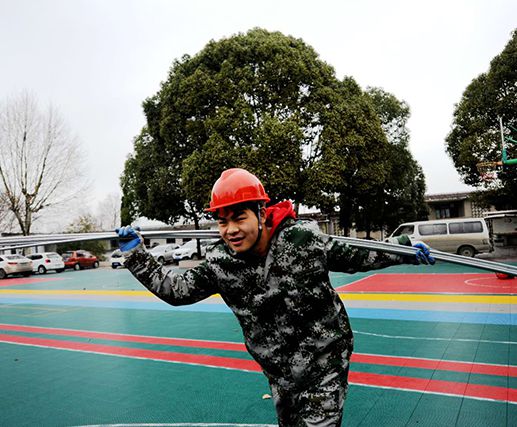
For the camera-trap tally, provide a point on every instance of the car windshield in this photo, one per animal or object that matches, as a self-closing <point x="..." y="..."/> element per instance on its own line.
<point x="53" y="255"/>
<point x="157" y="249"/>
<point x="404" y="229"/>
<point x="14" y="257"/>
<point x="66" y="255"/>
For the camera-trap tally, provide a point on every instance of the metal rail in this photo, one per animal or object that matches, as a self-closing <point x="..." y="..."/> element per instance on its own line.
<point x="20" y="242"/>
<point x="47" y="239"/>
<point x="497" y="267"/>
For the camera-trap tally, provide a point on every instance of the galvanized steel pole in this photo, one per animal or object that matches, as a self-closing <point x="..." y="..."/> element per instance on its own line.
<point x="13" y="243"/>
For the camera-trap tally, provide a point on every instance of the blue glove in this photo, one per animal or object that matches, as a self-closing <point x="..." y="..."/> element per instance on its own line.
<point x="423" y="256"/>
<point x="129" y="239"/>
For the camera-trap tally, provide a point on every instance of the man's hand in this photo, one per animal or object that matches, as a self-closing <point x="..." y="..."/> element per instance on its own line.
<point x="130" y="240"/>
<point x="423" y="256"/>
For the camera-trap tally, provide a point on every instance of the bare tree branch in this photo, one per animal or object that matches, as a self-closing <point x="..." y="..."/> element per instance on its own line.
<point x="39" y="161"/>
<point x="108" y="212"/>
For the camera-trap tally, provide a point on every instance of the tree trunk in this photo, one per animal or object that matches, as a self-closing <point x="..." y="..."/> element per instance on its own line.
<point x="196" y="226"/>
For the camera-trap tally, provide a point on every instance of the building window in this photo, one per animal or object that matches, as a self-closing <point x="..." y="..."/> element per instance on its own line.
<point x="448" y="210"/>
<point x="442" y="212"/>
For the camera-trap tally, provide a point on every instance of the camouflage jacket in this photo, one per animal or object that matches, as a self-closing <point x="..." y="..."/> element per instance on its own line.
<point x="294" y="323"/>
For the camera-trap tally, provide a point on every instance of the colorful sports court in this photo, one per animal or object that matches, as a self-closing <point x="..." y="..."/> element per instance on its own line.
<point x="435" y="346"/>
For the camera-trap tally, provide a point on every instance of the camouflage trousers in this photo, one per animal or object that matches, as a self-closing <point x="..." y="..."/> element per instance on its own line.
<point x="320" y="405"/>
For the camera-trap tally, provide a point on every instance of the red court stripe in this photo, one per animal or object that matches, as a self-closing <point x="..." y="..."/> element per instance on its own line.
<point x="195" y="359"/>
<point x="180" y="342"/>
<point x="26" y="281"/>
<point x="374" y="359"/>
<point x="358" y="378"/>
<point x="471" y="283"/>
<point x="434" y="386"/>
<point x="440" y="365"/>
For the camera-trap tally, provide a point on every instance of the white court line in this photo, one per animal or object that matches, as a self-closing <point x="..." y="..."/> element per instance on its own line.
<point x="439" y="360"/>
<point x="356" y="281"/>
<point x="125" y="356"/>
<point x="439" y="393"/>
<point x="405" y="337"/>
<point x="471" y="282"/>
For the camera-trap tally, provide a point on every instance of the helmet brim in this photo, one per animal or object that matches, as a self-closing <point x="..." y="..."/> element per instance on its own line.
<point x="233" y="203"/>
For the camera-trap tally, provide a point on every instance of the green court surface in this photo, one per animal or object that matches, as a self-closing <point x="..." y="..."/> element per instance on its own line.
<point x="94" y="348"/>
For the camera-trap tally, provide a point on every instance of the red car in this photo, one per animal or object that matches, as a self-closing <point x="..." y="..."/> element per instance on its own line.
<point x="80" y="259"/>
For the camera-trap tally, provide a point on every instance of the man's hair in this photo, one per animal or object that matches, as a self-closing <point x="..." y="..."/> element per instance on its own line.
<point x="253" y="206"/>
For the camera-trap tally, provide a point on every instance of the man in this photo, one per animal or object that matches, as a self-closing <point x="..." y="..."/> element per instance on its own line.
<point x="273" y="272"/>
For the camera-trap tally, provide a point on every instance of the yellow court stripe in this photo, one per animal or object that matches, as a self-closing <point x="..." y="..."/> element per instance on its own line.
<point x="469" y="299"/>
<point x="77" y="292"/>
<point x="74" y="292"/>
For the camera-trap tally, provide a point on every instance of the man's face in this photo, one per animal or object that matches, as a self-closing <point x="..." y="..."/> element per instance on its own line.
<point x="239" y="228"/>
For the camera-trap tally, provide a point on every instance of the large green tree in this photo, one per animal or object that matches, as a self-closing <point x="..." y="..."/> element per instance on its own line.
<point x="263" y="101"/>
<point x="400" y="197"/>
<point x="475" y="134"/>
<point x="352" y="165"/>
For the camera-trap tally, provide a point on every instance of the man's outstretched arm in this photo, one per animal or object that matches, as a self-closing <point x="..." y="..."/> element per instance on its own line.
<point x="194" y="285"/>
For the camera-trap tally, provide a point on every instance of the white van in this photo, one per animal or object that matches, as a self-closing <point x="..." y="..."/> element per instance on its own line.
<point x="463" y="236"/>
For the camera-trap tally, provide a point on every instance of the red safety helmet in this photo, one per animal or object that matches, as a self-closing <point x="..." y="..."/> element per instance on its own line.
<point x="236" y="186"/>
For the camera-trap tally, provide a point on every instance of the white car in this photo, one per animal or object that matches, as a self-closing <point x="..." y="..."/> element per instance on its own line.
<point x="164" y="253"/>
<point x="189" y="250"/>
<point x="117" y="259"/>
<point x="14" y="264"/>
<point x="45" y="261"/>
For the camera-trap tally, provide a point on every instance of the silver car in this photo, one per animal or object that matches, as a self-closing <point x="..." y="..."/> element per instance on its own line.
<point x="189" y="249"/>
<point x="164" y="253"/>
<point x="14" y="264"/>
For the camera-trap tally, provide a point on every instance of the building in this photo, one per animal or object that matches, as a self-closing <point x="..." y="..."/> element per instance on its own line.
<point x="502" y="224"/>
<point x="453" y="205"/>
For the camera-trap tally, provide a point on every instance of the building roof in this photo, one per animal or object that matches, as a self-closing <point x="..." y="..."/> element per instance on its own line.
<point x="446" y="197"/>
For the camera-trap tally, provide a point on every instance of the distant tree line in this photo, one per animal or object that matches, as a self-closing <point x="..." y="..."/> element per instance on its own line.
<point x="266" y="102"/>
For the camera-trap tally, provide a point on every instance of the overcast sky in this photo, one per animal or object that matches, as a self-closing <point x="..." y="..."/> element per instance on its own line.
<point x="96" y="61"/>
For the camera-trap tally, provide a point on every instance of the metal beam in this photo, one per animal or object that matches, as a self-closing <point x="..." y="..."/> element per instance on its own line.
<point x="21" y="242"/>
<point x="497" y="267"/>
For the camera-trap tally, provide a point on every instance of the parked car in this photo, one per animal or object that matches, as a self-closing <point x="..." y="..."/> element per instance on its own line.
<point x="464" y="236"/>
<point x="14" y="264"/>
<point x="45" y="261"/>
<point x="164" y="253"/>
<point x="80" y="259"/>
<point x="189" y="249"/>
<point x="117" y="259"/>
